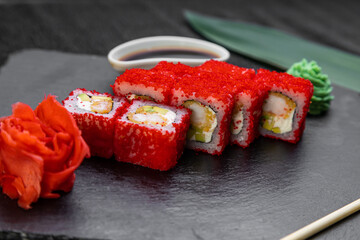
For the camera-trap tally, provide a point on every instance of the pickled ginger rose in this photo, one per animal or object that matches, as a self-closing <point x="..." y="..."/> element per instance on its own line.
<point x="39" y="151"/>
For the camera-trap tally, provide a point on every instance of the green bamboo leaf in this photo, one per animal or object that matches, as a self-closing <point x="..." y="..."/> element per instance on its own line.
<point x="278" y="48"/>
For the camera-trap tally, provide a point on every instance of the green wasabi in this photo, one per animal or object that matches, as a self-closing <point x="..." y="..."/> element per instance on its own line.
<point x="320" y="101"/>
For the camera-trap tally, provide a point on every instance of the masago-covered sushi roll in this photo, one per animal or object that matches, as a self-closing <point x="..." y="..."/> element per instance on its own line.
<point x="144" y="84"/>
<point x="211" y="105"/>
<point x="248" y="98"/>
<point x="175" y="70"/>
<point x="95" y="115"/>
<point x="151" y="135"/>
<point x="246" y="114"/>
<point x="284" y="110"/>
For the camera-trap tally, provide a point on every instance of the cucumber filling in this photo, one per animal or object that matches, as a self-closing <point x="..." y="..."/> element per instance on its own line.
<point x="96" y="104"/>
<point x="202" y="122"/>
<point x="237" y="119"/>
<point x="278" y="113"/>
<point x="152" y="115"/>
<point x="132" y="96"/>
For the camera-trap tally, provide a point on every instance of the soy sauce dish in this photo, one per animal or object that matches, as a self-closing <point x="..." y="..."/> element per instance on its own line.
<point x="147" y="52"/>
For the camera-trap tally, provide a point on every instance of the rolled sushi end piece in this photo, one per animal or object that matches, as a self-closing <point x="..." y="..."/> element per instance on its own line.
<point x="151" y="135"/>
<point x="285" y="108"/>
<point x="95" y="115"/>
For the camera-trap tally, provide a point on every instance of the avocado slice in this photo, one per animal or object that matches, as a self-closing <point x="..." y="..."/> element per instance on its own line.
<point x="84" y="97"/>
<point x="160" y="110"/>
<point x="151" y="109"/>
<point x="101" y="98"/>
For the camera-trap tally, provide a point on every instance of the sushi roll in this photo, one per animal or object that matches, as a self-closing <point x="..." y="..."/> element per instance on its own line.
<point x="211" y="106"/>
<point x="175" y="70"/>
<point x="248" y="98"/>
<point x="285" y="108"/>
<point x="144" y="84"/>
<point x="246" y="115"/>
<point x="151" y="135"/>
<point x="95" y="115"/>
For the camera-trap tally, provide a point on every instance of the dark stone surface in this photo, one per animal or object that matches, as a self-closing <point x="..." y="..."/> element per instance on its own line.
<point x="263" y="192"/>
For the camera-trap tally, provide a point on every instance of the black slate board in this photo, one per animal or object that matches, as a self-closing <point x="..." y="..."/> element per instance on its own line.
<point x="263" y="192"/>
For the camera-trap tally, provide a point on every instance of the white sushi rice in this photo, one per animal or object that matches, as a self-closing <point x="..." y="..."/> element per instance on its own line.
<point x="86" y="105"/>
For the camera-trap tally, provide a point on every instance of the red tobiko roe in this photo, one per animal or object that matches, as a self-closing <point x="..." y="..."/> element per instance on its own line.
<point x="39" y="151"/>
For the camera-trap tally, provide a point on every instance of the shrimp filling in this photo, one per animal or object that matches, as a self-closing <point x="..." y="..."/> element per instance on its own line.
<point x="278" y="113"/>
<point x="96" y="104"/>
<point x="202" y="122"/>
<point x="152" y="115"/>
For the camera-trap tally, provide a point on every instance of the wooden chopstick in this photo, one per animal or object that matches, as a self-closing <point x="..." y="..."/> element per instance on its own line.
<point x="324" y="222"/>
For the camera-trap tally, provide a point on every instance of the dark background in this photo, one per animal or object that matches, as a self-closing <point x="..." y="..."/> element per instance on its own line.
<point x="94" y="27"/>
<point x="263" y="192"/>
